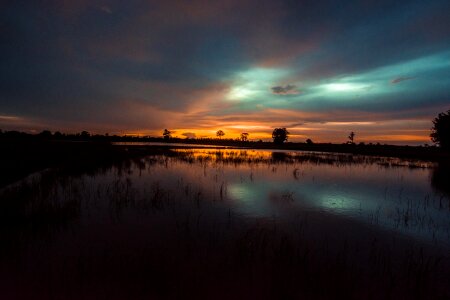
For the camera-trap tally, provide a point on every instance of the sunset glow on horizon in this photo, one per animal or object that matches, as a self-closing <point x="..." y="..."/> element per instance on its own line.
<point x="318" y="68"/>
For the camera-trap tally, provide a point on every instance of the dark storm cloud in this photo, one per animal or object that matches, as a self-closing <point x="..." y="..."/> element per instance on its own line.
<point x="135" y="63"/>
<point x="289" y="89"/>
<point x="400" y="79"/>
<point x="365" y="35"/>
<point x="297" y="124"/>
<point x="106" y="9"/>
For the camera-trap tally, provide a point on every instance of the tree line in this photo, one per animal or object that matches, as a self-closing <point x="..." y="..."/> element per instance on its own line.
<point x="440" y="135"/>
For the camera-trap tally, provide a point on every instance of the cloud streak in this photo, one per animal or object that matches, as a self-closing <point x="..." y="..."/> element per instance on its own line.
<point x="142" y="66"/>
<point x="289" y="89"/>
<point x="401" y="79"/>
<point x="189" y="135"/>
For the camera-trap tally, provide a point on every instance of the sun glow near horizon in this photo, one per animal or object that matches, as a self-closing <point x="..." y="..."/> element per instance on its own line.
<point x="324" y="132"/>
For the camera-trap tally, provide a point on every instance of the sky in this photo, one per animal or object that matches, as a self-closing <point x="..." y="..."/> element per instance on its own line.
<point x="318" y="68"/>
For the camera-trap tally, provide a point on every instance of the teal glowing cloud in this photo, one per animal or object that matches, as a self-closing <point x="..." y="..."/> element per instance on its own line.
<point x="401" y="80"/>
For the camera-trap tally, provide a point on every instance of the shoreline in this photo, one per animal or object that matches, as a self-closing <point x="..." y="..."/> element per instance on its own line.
<point x="21" y="157"/>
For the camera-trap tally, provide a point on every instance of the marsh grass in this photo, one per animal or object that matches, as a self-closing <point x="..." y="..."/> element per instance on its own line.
<point x="163" y="227"/>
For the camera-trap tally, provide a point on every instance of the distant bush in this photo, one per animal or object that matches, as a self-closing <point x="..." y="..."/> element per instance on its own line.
<point x="441" y="130"/>
<point x="280" y="135"/>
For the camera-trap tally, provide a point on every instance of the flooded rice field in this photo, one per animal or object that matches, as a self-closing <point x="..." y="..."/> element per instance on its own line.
<point x="227" y="223"/>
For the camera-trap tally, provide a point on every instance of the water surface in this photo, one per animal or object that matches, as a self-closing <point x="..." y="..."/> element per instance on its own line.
<point x="227" y="222"/>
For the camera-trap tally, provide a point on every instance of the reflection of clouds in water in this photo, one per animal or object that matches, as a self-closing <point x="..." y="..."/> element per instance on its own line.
<point x="241" y="192"/>
<point x="395" y="198"/>
<point x="336" y="202"/>
<point x="263" y="199"/>
<point x="249" y="199"/>
<point x="389" y="198"/>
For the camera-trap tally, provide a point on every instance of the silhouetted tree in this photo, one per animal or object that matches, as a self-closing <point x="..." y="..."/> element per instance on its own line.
<point x="309" y="142"/>
<point x="85" y="135"/>
<point x="280" y="135"/>
<point x="167" y="134"/>
<point x="244" y="136"/>
<point x="441" y="130"/>
<point x="220" y="134"/>
<point x="351" y="137"/>
<point x="45" y="134"/>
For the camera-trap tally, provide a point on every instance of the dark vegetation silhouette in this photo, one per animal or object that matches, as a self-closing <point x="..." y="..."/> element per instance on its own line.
<point x="440" y="177"/>
<point x="220" y="134"/>
<point x="351" y="138"/>
<point x="441" y="130"/>
<point x="20" y="139"/>
<point x="167" y="134"/>
<point x="85" y="135"/>
<point x="244" y="136"/>
<point x="280" y="135"/>
<point x="23" y="153"/>
<point x="46" y="134"/>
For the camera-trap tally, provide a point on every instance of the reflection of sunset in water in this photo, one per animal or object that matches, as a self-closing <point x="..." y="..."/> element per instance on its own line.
<point x="218" y="154"/>
<point x="376" y="191"/>
<point x="193" y="209"/>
